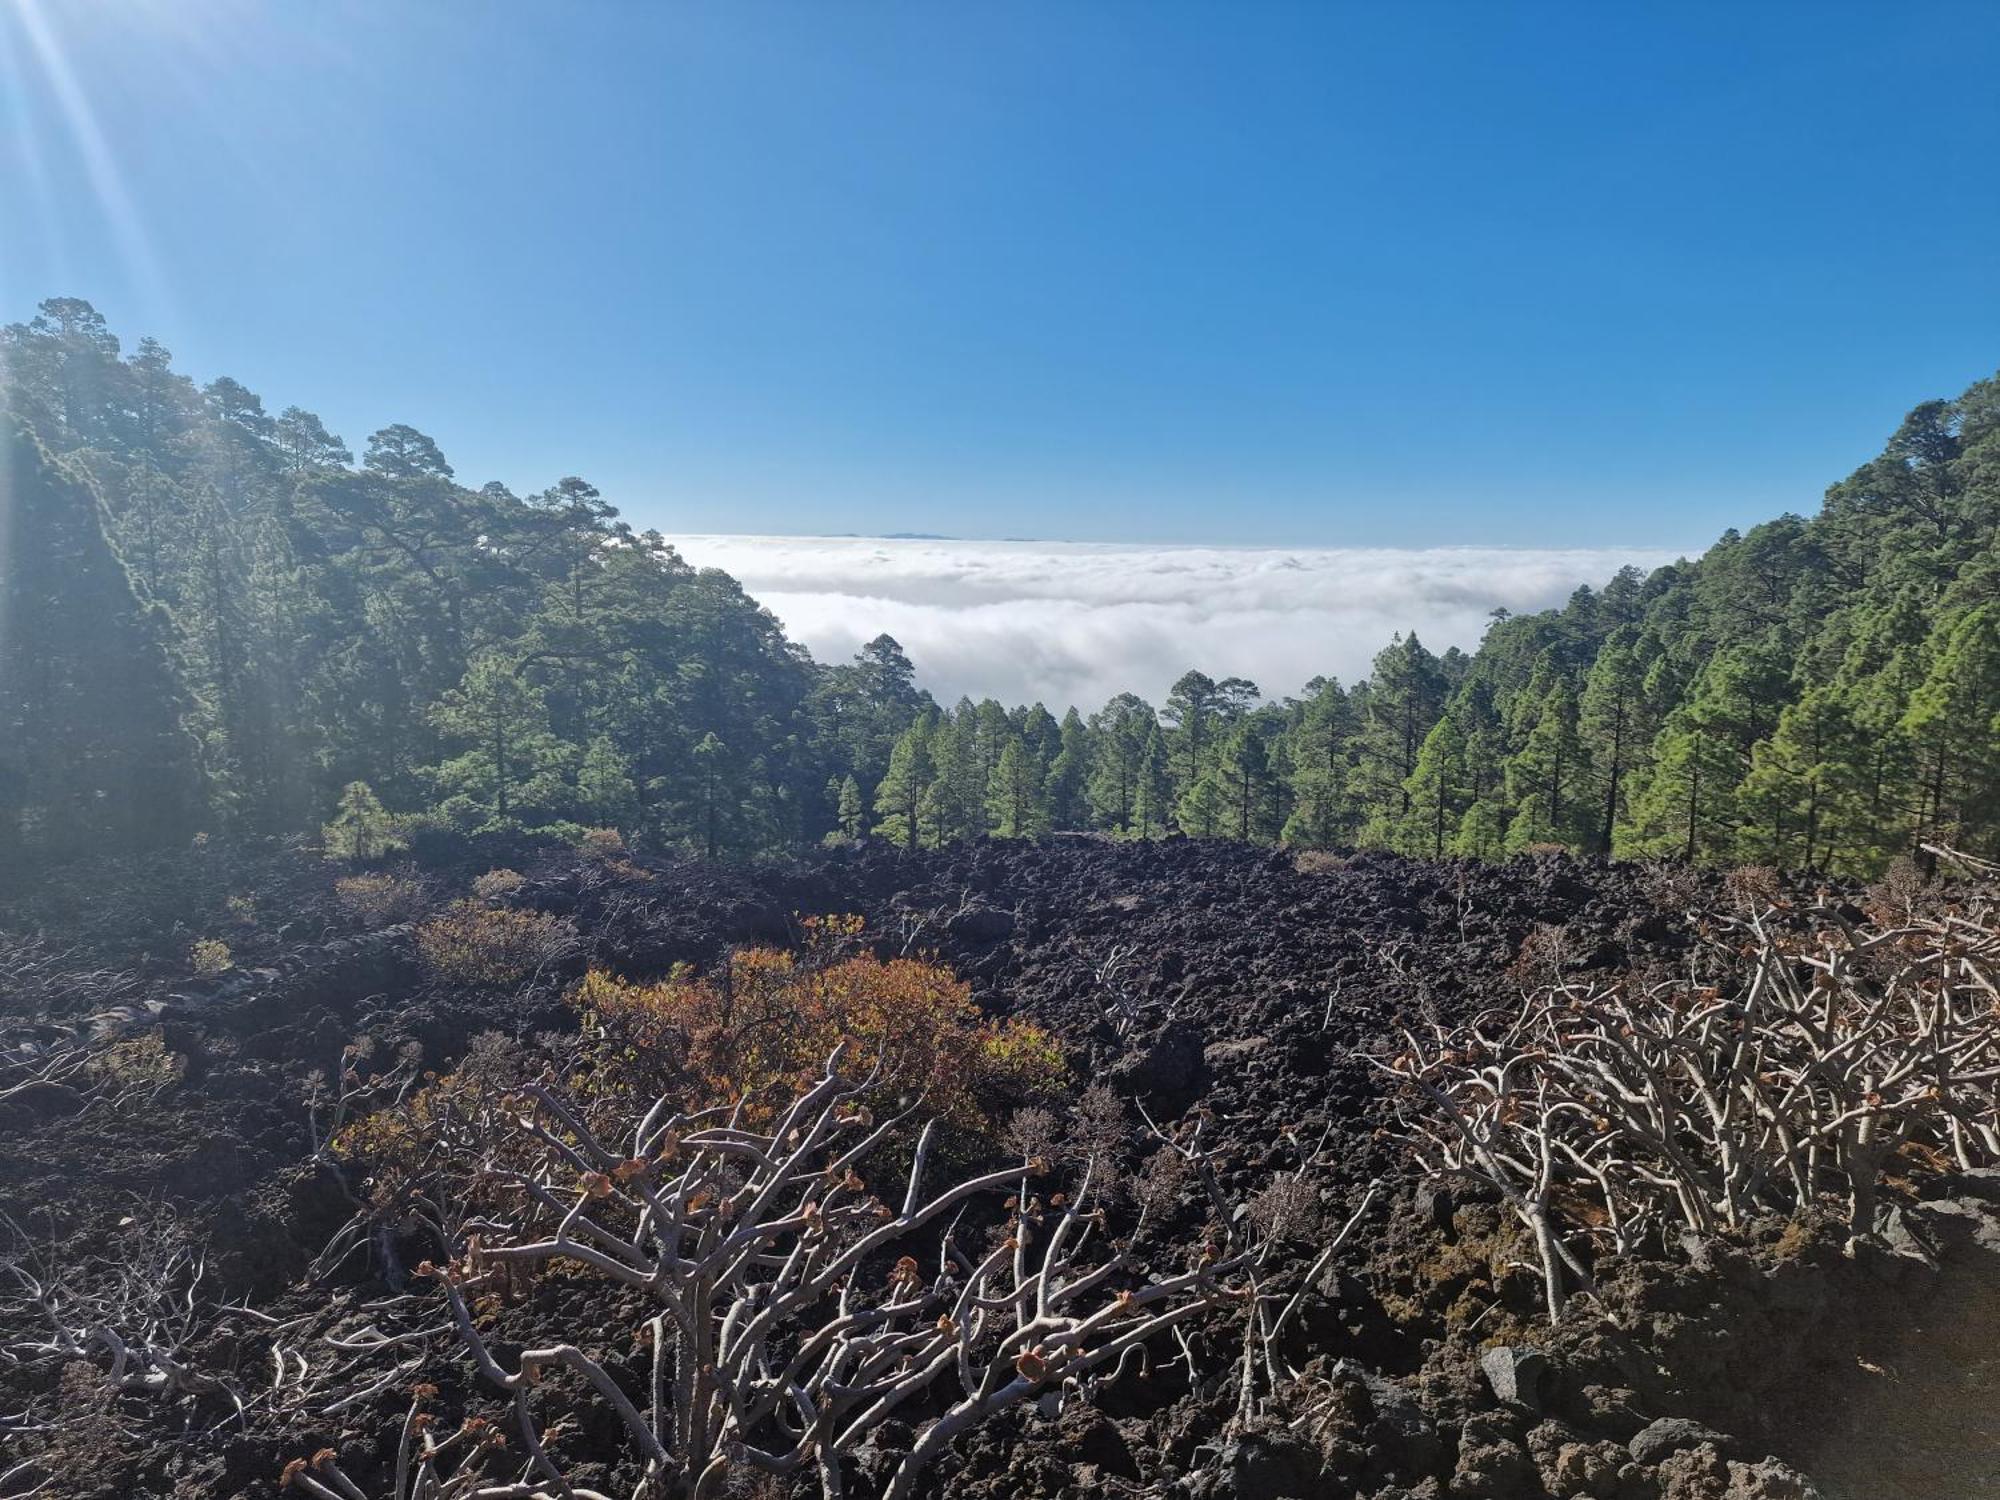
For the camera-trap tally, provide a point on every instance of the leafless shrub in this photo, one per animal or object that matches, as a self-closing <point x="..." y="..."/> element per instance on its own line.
<point x="1609" y="1116"/>
<point x="44" y="1058"/>
<point x="100" y="1335"/>
<point x="1900" y="893"/>
<point x="39" y="978"/>
<point x="1288" y="1209"/>
<point x="1033" y="1132"/>
<point x="84" y="1067"/>
<point x="1754" y="888"/>
<point x="1543" y="956"/>
<point x="1161" y="1181"/>
<point x="428" y="1467"/>
<point x="1959" y="862"/>
<point x="925" y="924"/>
<point x="1099" y="1130"/>
<point x="1121" y="1007"/>
<point x="139" y="1311"/>
<point x="1281" y="1211"/>
<point x="1672" y="887"/>
<point x="788" y="1311"/>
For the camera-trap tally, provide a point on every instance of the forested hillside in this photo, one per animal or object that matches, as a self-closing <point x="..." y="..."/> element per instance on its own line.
<point x="218" y="620"/>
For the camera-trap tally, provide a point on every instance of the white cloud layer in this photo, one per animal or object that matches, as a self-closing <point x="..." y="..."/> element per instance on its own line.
<point x="1076" y="622"/>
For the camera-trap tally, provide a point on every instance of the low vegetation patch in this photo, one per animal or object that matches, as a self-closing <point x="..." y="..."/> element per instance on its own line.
<point x="491" y="947"/>
<point x="764" y="1023"/>
<point x="496" y="885"/>
<point x="380" y="900"/>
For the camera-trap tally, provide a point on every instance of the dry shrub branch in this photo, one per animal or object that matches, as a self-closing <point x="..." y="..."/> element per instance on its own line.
<point x="1831" y="1054"/>
<point x="786" y="1307"/>
<point x="103" y="1344"/>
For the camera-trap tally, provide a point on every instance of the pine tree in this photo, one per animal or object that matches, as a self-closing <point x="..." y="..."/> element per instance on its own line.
<point x="1805" y="801"/>
<point x="1153" y="803"/>
<point x="1244" y="770"/>
<point x="1317" y="753"/>
<point x="1613" y="725"/>
<point x="992" y="732"/>
<point x="853" y="810"/>
<point x="304" y="444"/>
<point x="607" y="795"/>
<point x="1686" y="807"/>
<point x="1014" y="801"/>
<point x="362" y="828"/>
<point x="1953" y="724"/>
<point x="510" y="771"/>
<point x="1042" y="734"/>
<point x="901" y="798"/>
<point x="1482" y="830"/>
<point x="1703" y="753"/>
<point x="936" y="816"/>
<point x="1203" y="809"/>
<point x="1189" y="714"/>
<point x="1118" y="735"/>
<point x="1879" y="676"/>
<point x="1406" y="695"/>
<point x="960" y="811"/>
<point x="1548" y="779"/>
<point x="1438" y="792"/>
<point x="1067" y="794"/>
<point x="715" y="793"/>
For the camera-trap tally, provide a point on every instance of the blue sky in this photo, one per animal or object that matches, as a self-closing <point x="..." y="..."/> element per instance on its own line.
<point x="1335" y="274"/>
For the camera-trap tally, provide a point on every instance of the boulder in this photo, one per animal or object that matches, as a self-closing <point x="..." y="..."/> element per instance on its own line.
<point x="1670" y="1435"/>
<point x="1519" y="1377"/>
<point x="1768" y="1479"/>
<point x="1269" y="1466"/>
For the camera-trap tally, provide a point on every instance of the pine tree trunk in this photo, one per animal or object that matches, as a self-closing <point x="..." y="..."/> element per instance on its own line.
<point x="1694" y="803"/>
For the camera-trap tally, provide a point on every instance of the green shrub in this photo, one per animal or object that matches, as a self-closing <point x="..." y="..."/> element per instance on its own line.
<point x="210" y="957"/>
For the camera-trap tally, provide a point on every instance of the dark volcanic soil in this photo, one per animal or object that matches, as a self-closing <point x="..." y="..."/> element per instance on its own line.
<point x="1192" y="977"/>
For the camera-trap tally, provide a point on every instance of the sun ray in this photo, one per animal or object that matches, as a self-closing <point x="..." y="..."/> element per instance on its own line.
<point x="100" y="163"/>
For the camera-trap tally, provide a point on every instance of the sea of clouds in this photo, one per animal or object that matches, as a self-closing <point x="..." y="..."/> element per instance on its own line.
<point x="1076" y="622"/>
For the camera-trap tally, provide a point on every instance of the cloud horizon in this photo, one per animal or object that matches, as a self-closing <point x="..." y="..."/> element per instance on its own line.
<point x="1077" y="622"/>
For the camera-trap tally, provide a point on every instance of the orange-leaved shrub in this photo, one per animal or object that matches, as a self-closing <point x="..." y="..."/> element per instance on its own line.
<point x="469" y="944"/>
<point x="495" y="885"/>
<point x="451" y="1122"/>
<point x="763" y="1025"/>
<point x="377" y="900"/>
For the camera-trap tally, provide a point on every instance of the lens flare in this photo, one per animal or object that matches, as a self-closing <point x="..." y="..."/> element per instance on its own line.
<point x="49" y="61"/>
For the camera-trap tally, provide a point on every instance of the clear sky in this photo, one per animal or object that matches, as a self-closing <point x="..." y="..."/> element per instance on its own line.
<point x="1253" y="272"/>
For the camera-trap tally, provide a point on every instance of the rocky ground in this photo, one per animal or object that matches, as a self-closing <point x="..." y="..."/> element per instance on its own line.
<point x="1211" y="979"/>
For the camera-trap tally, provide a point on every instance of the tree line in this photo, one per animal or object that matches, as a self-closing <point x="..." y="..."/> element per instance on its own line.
<point x="214" y="619"/>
